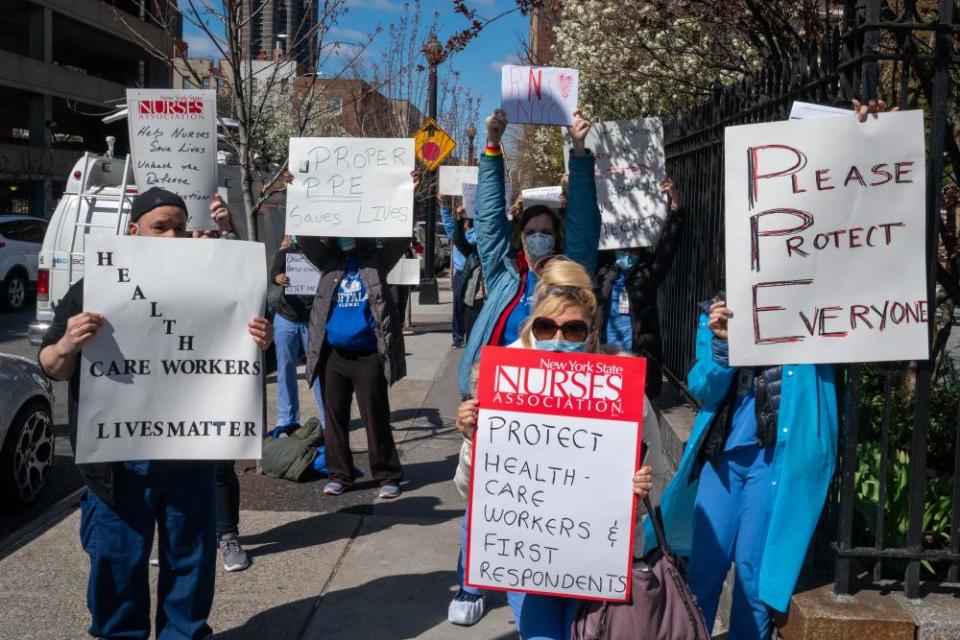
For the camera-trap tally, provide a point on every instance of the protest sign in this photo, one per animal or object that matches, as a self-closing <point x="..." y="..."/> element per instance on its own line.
<point x="351" y="187"/>
<point x="807" y="110"/>
<point x="539" y="95"/>
<point x="304" y="277"/>
<point x="173" y="141"/>
<point x="630" y="163"/>
<point x="547" y="196"/>
<point x="470" y="198"/>
<point x="452" y="179"/>
<point x="406" y="273"/>
<point x="825" y="240"/>
<point x="551" y="499"/>
<point x="173" y="372"/>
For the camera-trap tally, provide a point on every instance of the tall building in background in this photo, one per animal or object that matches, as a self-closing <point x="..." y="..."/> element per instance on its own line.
<point x="280" y="26"/>
<point x="63" y="66"/>
<point x="543" y="19"/>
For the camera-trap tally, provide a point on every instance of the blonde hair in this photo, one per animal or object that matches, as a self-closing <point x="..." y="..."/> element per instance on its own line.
<point x="561" y="282"/>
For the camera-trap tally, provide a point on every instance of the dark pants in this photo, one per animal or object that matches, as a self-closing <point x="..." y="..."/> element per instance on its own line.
<point x="228" y="497"/>
<point x="178" y="499"/>
<point x="470" y="316"/>
<point x="347" y="373"/>
<point x="458" y="320"/>
<point x="400" y="295"/>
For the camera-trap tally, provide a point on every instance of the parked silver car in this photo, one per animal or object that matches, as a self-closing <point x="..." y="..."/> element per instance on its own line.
<point x="26" y="431"/>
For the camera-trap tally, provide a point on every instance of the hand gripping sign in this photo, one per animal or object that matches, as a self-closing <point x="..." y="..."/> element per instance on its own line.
<point x="551" y="501"/>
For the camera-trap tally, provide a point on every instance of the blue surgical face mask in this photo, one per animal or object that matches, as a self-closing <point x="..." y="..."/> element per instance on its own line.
<point x="347" y="244"/>
<point x="626" y="260"/>
<point x="539" y="245"/>
<point x="562" y="346"/>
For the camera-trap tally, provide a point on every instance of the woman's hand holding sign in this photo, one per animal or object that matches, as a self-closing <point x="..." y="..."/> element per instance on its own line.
<point x="643" y="481"/>
<point x="467" y="418"/>
<point x="719" y="316"/>
<point x="578" y="132"/>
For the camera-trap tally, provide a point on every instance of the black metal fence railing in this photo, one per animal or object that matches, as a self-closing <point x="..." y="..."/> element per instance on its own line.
<point x="879" y="526"/>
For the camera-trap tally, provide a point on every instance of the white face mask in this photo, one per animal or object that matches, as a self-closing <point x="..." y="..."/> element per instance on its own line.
<point x="539" y="244"/>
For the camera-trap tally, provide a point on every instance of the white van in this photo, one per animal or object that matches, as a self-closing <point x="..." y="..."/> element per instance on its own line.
<point x="97" y="201"/>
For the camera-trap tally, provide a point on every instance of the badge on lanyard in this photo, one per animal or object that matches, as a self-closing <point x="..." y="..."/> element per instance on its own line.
<point x="623" y="303"/>
<point x="744" y="382"/>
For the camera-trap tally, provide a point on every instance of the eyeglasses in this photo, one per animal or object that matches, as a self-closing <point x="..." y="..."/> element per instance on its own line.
<point x="572" y="330"/>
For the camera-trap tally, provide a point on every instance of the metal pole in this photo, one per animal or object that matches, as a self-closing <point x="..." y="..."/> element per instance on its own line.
<point x="428" y="286"/>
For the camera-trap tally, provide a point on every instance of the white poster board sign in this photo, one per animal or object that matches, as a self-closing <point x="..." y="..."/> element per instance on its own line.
<point x="173" y="144"/>
<point x="351" y="187"/>
<point x="825" y="240"/>
<point x="173" y="374"/>
<point x="452" y="179"/>
<point x="551" y="501"/>
<point x="406" y="273"/>
<point x="547" y="196"/>
<point x="630" y="163"/>
<point x="807" y="110"/>
<point x="470" y="198"/>
<point x="539" y="95"/>
<point x="304" y="277"/>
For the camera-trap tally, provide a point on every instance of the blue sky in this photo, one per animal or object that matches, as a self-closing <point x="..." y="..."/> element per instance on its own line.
<point x="479" y="64"/>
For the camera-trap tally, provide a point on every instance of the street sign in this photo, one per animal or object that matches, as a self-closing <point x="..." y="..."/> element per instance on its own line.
<point x="433" y="144"/>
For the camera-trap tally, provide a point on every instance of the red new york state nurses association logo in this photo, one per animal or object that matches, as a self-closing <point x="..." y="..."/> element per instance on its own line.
<point x="171" y="108"/>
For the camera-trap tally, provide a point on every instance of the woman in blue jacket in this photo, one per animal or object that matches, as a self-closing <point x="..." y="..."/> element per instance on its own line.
<point x="753" y="477"/>
<point x="511" y="279"/>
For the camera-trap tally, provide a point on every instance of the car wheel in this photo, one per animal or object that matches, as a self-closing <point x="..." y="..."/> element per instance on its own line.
<point x="26" y="459"/>
<point x="15" y="292"/>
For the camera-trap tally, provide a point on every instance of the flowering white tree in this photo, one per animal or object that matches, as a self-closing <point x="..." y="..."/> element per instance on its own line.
<point x="281" y="121"/>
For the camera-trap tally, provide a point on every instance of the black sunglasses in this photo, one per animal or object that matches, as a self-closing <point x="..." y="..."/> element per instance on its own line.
<point x="572" y="330"/>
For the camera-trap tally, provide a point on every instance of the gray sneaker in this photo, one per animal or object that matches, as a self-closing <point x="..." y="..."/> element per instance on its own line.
<point x="466" y="608"/>
<point x="234" y="557"/>
<point x="333" y="488"/>
<point x="155" y="557"/>
<point x="389" y="492"/>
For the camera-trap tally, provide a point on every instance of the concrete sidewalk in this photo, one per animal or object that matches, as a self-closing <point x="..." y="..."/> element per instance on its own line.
<point x="346" y="567"/>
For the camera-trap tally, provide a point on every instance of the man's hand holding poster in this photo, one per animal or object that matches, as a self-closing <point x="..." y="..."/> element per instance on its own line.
<point x="551" y="502"/>
<point x="825" y="240"/>
<point x="173" y="373"/>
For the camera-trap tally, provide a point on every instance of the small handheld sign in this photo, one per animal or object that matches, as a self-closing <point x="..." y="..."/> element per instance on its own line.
<point x="552" y="508"/>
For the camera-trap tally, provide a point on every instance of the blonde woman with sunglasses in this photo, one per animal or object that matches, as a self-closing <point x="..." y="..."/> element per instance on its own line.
<point x="561" y="319"/>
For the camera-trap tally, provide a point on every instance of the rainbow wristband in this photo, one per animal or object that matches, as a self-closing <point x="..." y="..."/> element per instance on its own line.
<point x="493" y="150"/>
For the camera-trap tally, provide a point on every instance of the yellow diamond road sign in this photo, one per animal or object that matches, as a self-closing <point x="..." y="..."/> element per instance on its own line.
<point x="433" y="144"/>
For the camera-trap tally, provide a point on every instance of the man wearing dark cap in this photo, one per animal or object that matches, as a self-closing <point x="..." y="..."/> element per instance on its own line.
<point x="125" y="501"/>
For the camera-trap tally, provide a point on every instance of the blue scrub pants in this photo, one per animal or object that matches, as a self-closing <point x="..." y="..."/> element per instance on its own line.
<point x="178" y="499"/>
<point x="731" y="517"/>
<point x="456" y="286"/>
<point x="542" y="617"/>
<point x="290" y="337"/>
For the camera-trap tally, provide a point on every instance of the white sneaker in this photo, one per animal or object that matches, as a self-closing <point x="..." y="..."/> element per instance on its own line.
<point x="466" y="608"/>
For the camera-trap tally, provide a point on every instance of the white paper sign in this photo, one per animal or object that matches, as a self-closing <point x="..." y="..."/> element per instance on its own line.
<point x="304" y="277"/>
<point x="825" y="240"/>
<point x="173" y="373"/>
<point x="807" y="110"/>
<point x="452" y="179"/>
<point x="539" y="95"/>
<point x="630" y="163"/>
<point x="406" y="273"/>
<point x="173" y="141"/>
<point x="351" y="187"/>
<point x="551" y="501"/>
<point x="470" y="199"/>
<point x="547" y="196"/>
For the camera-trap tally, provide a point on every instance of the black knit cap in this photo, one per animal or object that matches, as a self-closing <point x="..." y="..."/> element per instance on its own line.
<point x="153" y="198"/>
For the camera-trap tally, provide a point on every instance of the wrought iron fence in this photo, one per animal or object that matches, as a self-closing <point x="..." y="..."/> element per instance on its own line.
<point x="900" y="51"/>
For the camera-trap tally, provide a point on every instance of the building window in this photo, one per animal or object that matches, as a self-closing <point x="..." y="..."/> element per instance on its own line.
<point x="185" y="83"/>
<point x="336" y="106"/>
<point x="206" y="82"/>
<point x="220" y="85"/>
